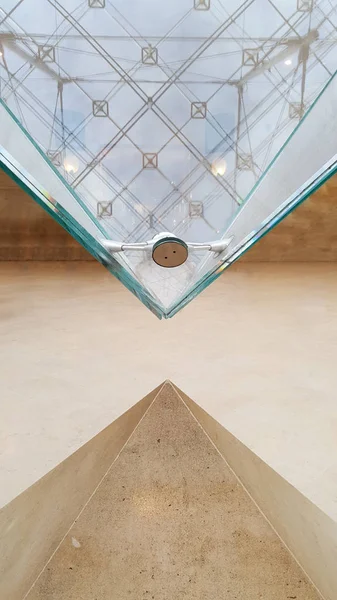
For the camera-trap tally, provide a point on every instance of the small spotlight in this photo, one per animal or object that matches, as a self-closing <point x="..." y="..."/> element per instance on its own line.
<point x="288" y="62"/>
<point x="219" y="167"/>
<point x="71" y="164"/>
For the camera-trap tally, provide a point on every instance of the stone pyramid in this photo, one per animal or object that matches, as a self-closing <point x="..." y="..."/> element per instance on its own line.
<point x="149" y="509"/>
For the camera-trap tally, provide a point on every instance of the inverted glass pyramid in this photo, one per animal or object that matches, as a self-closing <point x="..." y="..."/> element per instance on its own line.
<point x="205" y="119"/>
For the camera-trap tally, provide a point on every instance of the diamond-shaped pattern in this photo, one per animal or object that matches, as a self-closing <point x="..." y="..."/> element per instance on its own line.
<point x="46" y="53"/>
<point x="150" y="160"/>
<point x="305" y="5"/>
<point x="104" y="209"/>
<point x="55" y="157"/>
<point x="100" y="108"/>
<point x="173" y="109"/>
<point x="196" y="210"/>
<point x="245" y="162"/>
<point x="198" y="110"/>
<point x="250" y="57"/>
<point x="296" y="110"/>
<point x="202" y="4"/>
<point x="96" y="3"/>
<point x="149" y="55"/>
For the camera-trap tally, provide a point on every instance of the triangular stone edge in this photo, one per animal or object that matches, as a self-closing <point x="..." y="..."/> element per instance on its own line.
<point x="308" y="533"/>
<point x="164" y="409"/>
<point x="34" y="523"/>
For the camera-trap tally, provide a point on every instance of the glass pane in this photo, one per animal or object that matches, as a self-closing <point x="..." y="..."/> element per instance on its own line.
<point x="66" y="210"/>
<point x="203" y="119"/>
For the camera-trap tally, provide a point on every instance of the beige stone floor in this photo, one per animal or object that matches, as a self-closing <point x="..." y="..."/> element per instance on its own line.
<point x="171" y="521"/>
<point x="257" y="350"/>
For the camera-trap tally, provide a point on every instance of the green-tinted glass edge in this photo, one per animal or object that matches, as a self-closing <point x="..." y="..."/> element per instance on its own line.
<point x="53" y="168"/>
<point x="51" y="206"/>
<point x="217" y="271"/>
<point x="267" y="169"/>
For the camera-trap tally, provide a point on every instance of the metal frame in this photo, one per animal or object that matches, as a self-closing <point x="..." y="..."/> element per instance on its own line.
<point x="216" y="246"/>
<point x="262" y="57"/>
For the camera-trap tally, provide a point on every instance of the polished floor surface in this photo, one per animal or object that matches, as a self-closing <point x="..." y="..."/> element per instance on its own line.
<point x="170" y="520"/>
<point x="256" y="350"/>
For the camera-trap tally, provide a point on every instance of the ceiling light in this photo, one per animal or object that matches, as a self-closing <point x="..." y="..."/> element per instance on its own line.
<point x="71" y="164"/>
<point x="288" y="62"/>
<point x="219" y="167"/>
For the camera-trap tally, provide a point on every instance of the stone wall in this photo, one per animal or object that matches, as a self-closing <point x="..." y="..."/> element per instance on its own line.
<point x="29" y="233"/>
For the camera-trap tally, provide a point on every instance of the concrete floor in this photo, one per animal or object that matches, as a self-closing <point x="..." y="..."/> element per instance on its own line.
<point x="170" y="520"/>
